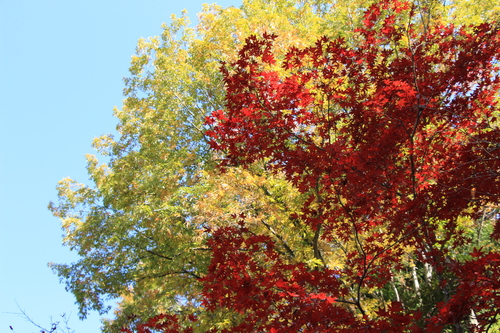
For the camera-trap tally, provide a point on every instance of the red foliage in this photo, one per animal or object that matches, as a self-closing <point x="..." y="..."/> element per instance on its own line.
<point x="393" y="141"/>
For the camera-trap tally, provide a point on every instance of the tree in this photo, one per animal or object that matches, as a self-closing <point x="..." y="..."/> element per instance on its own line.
<point x="138" y="227"/>
<point x="309" y="203"/>
<point x="395" y="143"/>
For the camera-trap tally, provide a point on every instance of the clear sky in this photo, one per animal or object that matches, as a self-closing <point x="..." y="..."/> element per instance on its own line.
<point x="61" y="69"/>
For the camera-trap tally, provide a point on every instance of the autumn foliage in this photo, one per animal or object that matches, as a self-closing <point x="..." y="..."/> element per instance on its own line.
<point x="394" y="143"/>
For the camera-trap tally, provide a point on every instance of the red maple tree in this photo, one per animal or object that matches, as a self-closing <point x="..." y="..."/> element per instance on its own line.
<point x="395" y="142"/>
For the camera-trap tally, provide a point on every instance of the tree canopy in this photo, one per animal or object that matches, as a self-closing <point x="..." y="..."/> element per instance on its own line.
<point x="341" y="172"/>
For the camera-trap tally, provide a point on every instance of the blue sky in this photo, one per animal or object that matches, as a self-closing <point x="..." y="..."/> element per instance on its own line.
<point x="61" y="69"/>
